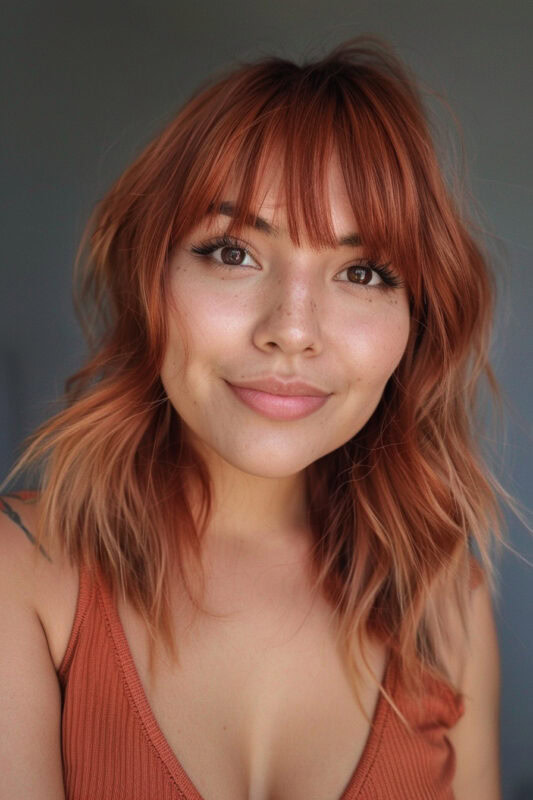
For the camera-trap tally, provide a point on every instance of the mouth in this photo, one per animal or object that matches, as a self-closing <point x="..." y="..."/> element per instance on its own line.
<point x="278" y="406"/>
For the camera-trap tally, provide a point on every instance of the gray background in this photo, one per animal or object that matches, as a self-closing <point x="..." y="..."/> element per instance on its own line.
<point x="86" y="84"/>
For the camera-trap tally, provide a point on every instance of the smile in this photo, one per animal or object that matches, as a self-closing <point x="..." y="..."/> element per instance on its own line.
<point x="277" y="406"/>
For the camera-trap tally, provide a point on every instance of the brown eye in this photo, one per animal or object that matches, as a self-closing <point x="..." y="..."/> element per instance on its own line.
<point x="359" y="274"/>
<point x="232" y="255"/>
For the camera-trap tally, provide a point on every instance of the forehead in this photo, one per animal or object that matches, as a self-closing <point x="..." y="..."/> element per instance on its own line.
<point x="270" y="206"/>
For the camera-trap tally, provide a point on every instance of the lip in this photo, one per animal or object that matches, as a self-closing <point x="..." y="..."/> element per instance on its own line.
<point x="279" y="406"/>
<point x="274" y="385"/>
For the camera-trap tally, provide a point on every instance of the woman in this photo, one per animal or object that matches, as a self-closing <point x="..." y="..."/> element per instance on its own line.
<point x="255" y="514"/>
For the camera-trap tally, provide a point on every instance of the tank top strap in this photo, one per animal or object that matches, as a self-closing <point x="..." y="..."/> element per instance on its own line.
<point x="86" y="593"/>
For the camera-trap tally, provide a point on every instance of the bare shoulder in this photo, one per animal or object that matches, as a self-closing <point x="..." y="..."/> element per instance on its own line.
<point x="40" y="577"/>
<point x="30" y="698"/>
<point x="21" y="563"/>
<point x="475" y="737"/>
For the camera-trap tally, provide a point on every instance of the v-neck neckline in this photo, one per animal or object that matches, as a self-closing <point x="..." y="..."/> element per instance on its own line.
<point x="141" y="706"/>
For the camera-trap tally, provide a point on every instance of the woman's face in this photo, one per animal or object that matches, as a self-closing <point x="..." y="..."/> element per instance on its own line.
<point x="273" y="309"/>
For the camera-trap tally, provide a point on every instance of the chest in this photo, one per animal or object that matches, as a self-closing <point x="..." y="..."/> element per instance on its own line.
<point x="260" y="706"/>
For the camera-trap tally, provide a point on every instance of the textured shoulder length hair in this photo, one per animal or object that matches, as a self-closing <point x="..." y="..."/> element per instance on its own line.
<point x="396" y="510"/>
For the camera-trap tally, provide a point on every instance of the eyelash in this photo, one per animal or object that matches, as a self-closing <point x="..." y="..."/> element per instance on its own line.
<point x="204" y="249"/>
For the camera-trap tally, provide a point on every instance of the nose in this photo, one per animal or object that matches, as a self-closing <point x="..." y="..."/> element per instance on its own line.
<point x="288" y="315"/>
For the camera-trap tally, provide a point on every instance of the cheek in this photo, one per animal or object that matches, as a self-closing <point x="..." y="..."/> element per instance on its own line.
<point x="200" y="326"/>
<point x="201" y="309"/>
<point x="374" y="342"/>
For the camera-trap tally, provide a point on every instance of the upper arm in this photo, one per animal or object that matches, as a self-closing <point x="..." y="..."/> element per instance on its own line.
<point x="475" y="737"/>
<point x="30" y="700"/>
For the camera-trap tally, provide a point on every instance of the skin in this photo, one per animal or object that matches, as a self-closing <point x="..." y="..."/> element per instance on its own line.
<point x="286" y="310"/>
<point x="7" y="509"/>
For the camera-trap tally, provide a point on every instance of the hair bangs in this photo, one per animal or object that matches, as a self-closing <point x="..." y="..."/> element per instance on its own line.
<point x="319" y="115"/>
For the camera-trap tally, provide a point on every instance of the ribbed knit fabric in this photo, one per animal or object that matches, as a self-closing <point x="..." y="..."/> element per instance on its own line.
<point x="113" y="748"/>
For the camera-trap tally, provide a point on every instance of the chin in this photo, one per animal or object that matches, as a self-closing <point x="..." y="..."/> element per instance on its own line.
<point x="268" y="462"/>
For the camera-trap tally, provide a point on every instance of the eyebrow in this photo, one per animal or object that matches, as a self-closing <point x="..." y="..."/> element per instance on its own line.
<point x="228" y="209"/>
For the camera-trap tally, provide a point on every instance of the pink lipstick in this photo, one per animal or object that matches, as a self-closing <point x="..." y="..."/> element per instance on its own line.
<point x="279" y="406"/>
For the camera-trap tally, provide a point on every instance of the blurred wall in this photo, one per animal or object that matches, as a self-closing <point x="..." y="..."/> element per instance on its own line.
<point x="85" y="85"/>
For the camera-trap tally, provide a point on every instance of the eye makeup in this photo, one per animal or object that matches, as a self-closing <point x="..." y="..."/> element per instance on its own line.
<point x="388" y="278"/>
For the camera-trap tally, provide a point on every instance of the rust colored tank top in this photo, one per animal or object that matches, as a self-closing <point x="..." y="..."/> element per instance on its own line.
<point x="113" y="747"/>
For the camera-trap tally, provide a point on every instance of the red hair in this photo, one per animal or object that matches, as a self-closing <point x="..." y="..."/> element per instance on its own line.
<point x="395" y="511"/>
